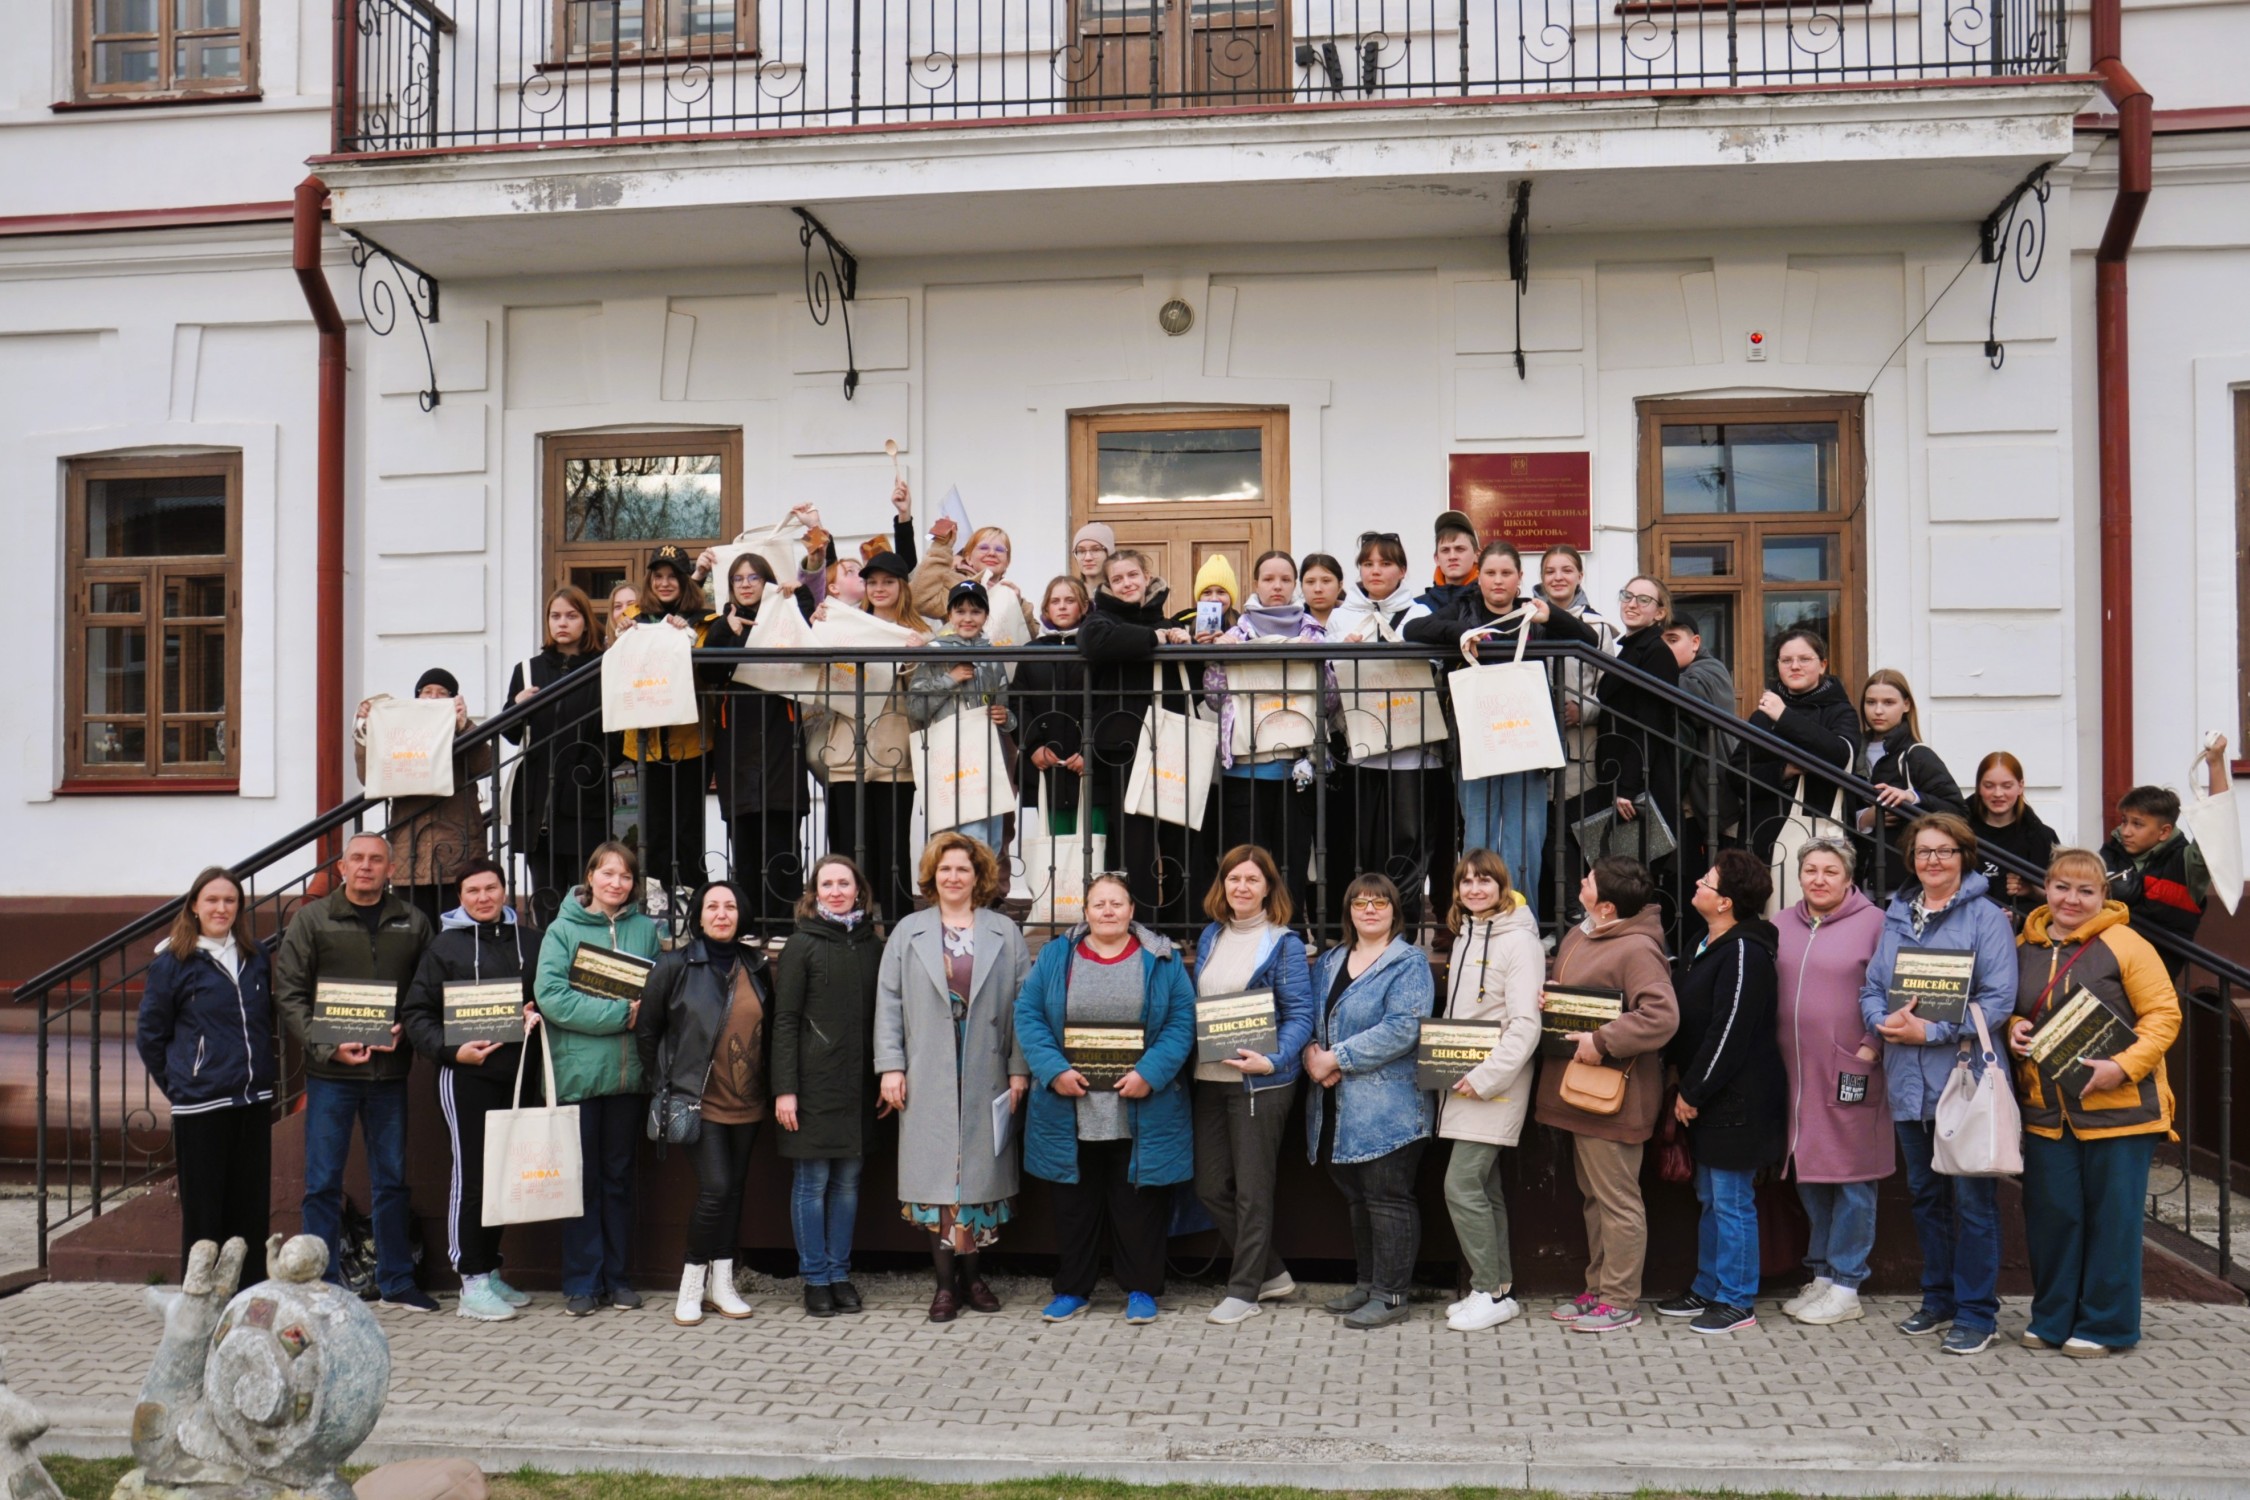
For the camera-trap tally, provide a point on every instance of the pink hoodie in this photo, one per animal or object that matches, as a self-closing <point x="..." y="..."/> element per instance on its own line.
<point x="1822" y="967"/>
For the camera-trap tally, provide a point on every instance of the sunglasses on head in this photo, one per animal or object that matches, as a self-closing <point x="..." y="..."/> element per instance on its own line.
<point x="1379" y="536"/>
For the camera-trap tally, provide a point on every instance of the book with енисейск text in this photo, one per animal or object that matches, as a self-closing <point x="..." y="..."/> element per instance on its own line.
<point x="489" y="1010"/>
<point x="1937" y="980"/>
<point x="352" y="1011"/>
<point x="1446" y="1051"/>
<point x="1103" y="1054"/>
<point x="1224" y="1024"/>
<point x="1568" y="1008"/>
<point x="608" y="974"/>
<point x="2076" y="1034"/>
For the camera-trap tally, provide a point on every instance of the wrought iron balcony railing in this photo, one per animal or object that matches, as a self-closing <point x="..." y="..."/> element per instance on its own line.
<point x="525" y="72"/>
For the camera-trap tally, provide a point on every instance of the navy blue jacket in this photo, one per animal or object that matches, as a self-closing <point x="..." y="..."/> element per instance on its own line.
<point x="206" y="1036"/>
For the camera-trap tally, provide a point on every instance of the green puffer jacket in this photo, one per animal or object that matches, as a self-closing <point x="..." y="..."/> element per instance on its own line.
<point x="594" y="1051"/>
<point x="824" y="1035"/>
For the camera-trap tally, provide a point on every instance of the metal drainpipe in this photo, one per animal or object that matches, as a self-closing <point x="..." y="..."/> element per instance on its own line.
<point x="328" y="646"/>
<point x="2114" y="404"/>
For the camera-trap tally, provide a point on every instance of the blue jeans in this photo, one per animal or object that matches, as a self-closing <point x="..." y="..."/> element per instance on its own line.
<point x="1508" y="815"/>
<point x="331" y="1105"/>
<point x="990" y="832"/>
<point x="823" y="1207"/>
<point x="1958" y="1221"/>
<point x="594" y="1243"/>
<point x="2082" y="1206"/>
<point x="1843" y="1229"/>
<point x="1726" y="1237"/>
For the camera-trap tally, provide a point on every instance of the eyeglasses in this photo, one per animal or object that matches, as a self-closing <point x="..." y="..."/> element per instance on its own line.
<point x="1371" y="903"/>
<point x="1937" y="856"/>
<point x="1645" y="601"/>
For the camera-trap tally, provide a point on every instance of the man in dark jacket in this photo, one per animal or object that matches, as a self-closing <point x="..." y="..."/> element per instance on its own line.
<point x="1456" y="563"/>
<point x="480" y="942"/>
<point x="360" y="931"/>
<point x="2153" y="868"/>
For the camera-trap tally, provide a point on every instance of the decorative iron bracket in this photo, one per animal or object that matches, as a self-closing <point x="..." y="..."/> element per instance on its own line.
<point x="378" y="306"/>
<point x="1519" y="261"/>
<point x="2012" y="237"/>
<point x="841" y="274"/>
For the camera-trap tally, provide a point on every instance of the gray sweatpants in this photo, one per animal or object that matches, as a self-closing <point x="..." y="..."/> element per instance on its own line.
<point x="1237" y="1151"/>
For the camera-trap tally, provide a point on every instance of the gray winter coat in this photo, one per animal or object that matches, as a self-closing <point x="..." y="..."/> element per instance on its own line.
<point x="945" y="1150"/>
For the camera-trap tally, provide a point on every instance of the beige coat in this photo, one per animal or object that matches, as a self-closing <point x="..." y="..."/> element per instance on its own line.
<point x="934" y="577"/>
<point x="1496" y="973"/>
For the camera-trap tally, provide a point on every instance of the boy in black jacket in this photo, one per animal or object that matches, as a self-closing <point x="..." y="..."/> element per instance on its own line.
<point x="480" y="942"/>
<point x="2153" y="868"/>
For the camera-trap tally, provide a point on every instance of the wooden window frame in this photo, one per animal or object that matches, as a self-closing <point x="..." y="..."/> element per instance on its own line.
<point x="1746" y="530"/>
<point x="742" y="45"/>
<point x="1218" y="517"/>
<point x="167" y="36"/>
<point x="559" y="555"/>
<point x="82" y="572"/>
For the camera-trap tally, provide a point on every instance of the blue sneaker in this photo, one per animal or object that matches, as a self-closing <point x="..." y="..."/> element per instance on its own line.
<point x="505" y="1292"/>
<point x="1063" y="1309"/>
<point x="1140" y="1307"/>
<point x="481" y="1301"/>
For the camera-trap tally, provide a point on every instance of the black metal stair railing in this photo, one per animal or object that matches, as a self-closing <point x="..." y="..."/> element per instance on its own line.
<point x="413" y="77"/>
<point x="1351" y="749"/>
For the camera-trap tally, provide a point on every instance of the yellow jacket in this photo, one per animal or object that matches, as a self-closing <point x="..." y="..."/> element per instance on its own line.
<point x="2121" y="970"/>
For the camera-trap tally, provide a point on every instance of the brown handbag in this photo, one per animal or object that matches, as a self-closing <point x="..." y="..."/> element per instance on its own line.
<point x="1594" y="1089"/>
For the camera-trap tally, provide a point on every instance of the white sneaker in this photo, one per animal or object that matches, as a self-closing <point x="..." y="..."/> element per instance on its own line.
<point x="1814" y="1290"/>
<point x="1233" y="1310"/>
<point x="688" y="1310"/>
<point x="1839" y="1304"/>
<point x="719" y="1294"/>
<point x="1481" y="1310"/>
<point x="1279" y="1287"/>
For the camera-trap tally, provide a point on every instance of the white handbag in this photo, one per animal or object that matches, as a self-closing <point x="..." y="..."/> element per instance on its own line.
<point x="960" y="767"/>
<point x="2211" y="823"/>
<point x="1979" y="1129"/>
<point x="856" y="630"/>
<point x="781" y="544"/>
<point x="781" y="626"/>
<point x="1174" y="762"/>
<point x="1800" y="828"/>
<point x="1276" y="706"/>
<point x="1390" y="705"/>
<point x="410" y="747"/>
<point x="1055" y="866"/>
<point x="532" y="1167"/>
<point x="648" y="679"/>
<point x="1506" y="714"/>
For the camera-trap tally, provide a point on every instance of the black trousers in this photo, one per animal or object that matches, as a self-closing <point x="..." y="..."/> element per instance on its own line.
<point x="558" y="862"/>
<point x="881" y="843"/>
<point x="225" y="1160"/>
<point x="1399" y="815"/>
<point x="769" y="865"/>
<point x="1277" y="817"/>
<point x="1104" y="1210"/>
<point x="721" y="1157"/>
<point x="465" y="1097"/>
<point x="1386" y="1222"/>
<point x="672" y="820"/>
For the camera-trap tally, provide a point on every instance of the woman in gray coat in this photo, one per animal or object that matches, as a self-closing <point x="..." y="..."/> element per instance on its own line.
<point x="945" y="1045"/>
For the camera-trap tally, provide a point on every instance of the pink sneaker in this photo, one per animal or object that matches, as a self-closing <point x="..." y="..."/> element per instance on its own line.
<point x="1576" y="1308"/>
<point x="1605" y="1319"/>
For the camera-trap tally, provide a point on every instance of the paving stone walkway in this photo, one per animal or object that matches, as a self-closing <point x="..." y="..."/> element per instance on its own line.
<point x="1285" y="1398"/>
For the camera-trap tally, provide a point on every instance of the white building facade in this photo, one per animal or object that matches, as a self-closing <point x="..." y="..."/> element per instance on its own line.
<point x="1752" y="297"/>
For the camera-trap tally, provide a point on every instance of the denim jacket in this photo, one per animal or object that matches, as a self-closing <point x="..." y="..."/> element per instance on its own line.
<point x="1282" y="969"/>
<point x="1915" y="1076"/>
<point x="1372" y="1031"/>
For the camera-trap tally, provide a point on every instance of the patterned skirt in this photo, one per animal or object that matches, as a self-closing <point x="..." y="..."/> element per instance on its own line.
<point x="965" y="1227"/>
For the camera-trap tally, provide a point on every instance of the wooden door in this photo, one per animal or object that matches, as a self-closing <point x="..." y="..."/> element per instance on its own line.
<point x="1182" y="486"/>
<point x="1173" y="54"/>
<point x="1751" y="514"/>
<point x="612" y="499"/>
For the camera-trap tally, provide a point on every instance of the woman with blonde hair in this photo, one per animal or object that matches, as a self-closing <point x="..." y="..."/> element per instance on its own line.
<point x="2091" y="1124"/>
<point x="946" y="1052"/>
<point x="983" y="559"/>
<point x="1910" y="780"/>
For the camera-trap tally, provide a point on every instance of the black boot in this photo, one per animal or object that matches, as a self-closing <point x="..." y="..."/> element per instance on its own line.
<point x="820" y="1302"/>
<point x="846" y="1295"/>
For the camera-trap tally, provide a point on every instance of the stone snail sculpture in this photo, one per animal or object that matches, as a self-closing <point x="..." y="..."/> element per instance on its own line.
<point x="20" y="1427"/>
<point x="262" y="1393"/>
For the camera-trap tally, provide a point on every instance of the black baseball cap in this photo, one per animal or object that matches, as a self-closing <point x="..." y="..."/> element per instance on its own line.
<point x="1453" y="520"/>
<point x="674" y="556"/>
<point x="971" y="592"/>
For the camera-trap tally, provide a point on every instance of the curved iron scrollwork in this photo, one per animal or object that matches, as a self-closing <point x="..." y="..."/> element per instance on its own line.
<point x="2014" y="236"/>
<point x="378" y="304"/>
<point x="831" y="287"/>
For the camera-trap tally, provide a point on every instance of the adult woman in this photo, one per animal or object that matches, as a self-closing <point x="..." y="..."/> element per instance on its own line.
<point x="1249" y="946"/>
<point x="2091" y="1126"/>
<point x="1495" y="975"/>
<point x="823" y="1086"/>
<point x="1266" y="794"/>
<point x="673" y="772"/>
<point x="1840" y="1141"/>
<point x="597" y="1068"/>
<point x="1119" y="638"/>
<point x="1620" y="946"/>
<point x="1320" y="582"/>
<point x="1109" y="1153"/>
<point x="945" y="1046"/>
<point x="702" y="1035"/>
<point x="1049" y="696"/>
<point x="1909" y="778"/>
<point x="1562" y="579"/>
<point x="206" y="1038"/>
<point x="559" y="797"/>
<point x="1633" y="753"/>
<point x="1402" y="816"/>
<point x="1732" y="1087"/>
<point x="1956" y="1218"/>
<point x="2003" y="819"/>
<point x="1090" y="547"/>
<point x="983" y="560"/>
<point x="1506" y="814"/>
<point x="861" y="755"/>
<point x="1365" y="1121"/>
<point x="757" y="756"/>
<point x="1809" y="709"/>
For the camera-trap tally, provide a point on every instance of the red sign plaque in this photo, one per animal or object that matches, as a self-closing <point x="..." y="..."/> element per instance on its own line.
<point x="1533" y="499"/>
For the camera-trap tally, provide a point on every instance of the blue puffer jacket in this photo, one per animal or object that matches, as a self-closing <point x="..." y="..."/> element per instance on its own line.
<point x="1915" y="1076"/>
<point x="1163" y="1123"/>
<point x="1372" y="1029"/>
<point x="206" y="1036"/>
<point x="1281" y="968"/>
